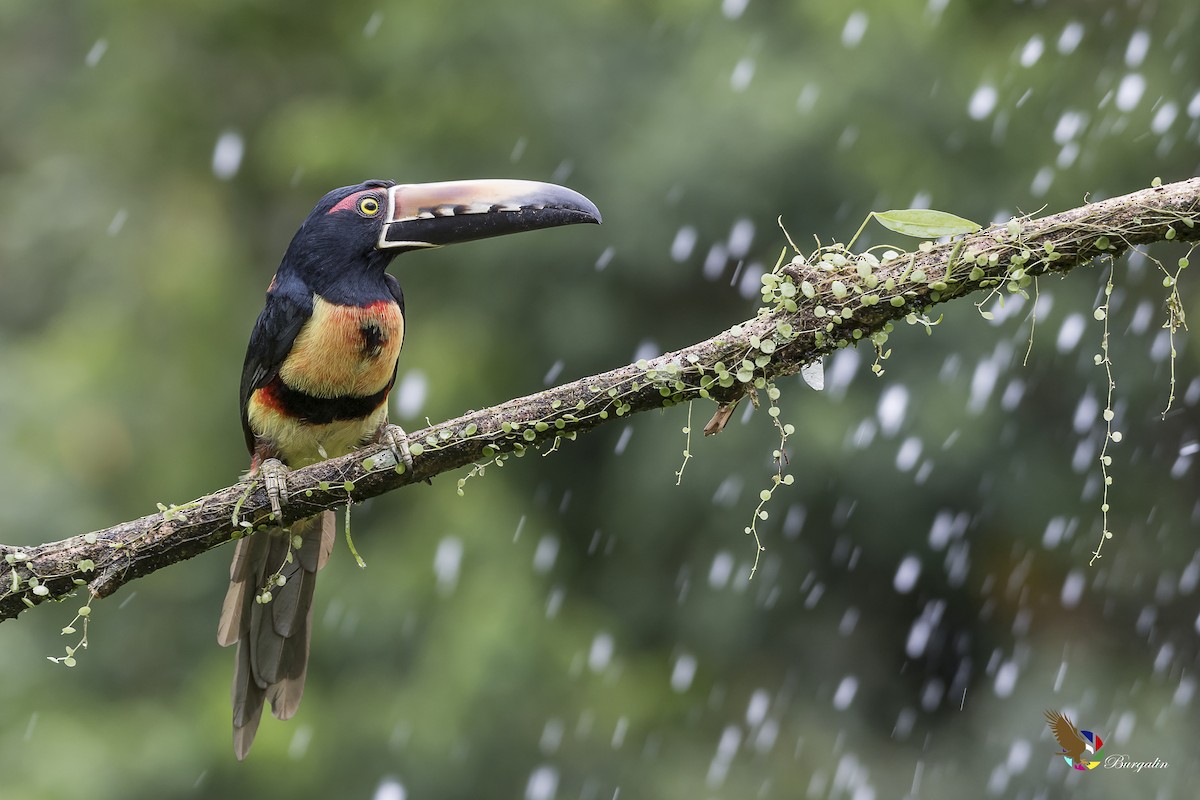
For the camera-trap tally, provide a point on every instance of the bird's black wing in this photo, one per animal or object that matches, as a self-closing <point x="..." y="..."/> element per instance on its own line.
<point x="271" y="340"/>
<point x="393" y="286"/>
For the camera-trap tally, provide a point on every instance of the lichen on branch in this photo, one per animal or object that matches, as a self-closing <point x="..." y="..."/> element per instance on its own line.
<point x="813" y="305"/>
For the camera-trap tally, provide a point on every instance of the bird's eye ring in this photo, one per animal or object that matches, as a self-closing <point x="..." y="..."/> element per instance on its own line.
<point x="368" y="206"/>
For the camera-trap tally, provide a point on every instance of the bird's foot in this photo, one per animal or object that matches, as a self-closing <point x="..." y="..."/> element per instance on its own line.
<point x="274" y="476"/>
<point x="397" y="441"/>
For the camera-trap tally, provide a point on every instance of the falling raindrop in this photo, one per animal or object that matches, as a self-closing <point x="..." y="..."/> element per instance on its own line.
<point x="1139" y="45"/>
<point x="756" y="711"/>
<point x="983" y="102"/>
<point x="1184" y="692"/>
<point x="390" y="789"/>
<point x="945" y="527"/>
<point x="750" y="283"/>
<point x="1006" y="679"/>
<point x="118" y="222"/>
<point x="96" y="53"/>
<point x="768" y="732"/>
<point x="1166" y="655"/>
<point x="1067" y="156"/>
<point x="732" y="9"/>
<point x="741" y="236"/>
<point x="793" y="523"/>
<point x="227" y="155"/>
<point x="623" y="440"/>
<point x="543" y="783"/>
<point x="728" y="491"/>
<point x="646" y="349"/>
<point x="619" y="731"/>
<point x="1129" y="92"/>
<point x="922" y="629"/>
<point x="933" y="692"/>
<point x="908" y="454"/>
<point x="1189" y="577"/>
<point x="856" y="26"/>
<point x="1070" y="333"/>
<point x="1032" y="51"/>
<point x="1041" y="182"/>
<point x="298" y="746"/>
<point x="731" y="740"/>
<point x="545" y="554"/>
<point x="1072" y="589"/>
<point x="1163" y="118"/>
<point x="683" y="672"/>
<point x="554" y="601"/>
<point x="843" y="696"/>
<point x="893" y="403"/>
<point x="721" y="570"/>
<point x="807" y="98"/>
<point x="601" y="652"/>
<point x="605" y="258"/>
<point x="683" y="243"/>
<point x="410" y="394"/>
<point x="1081" y="459"/>
<point x="552" y="374"/>
<point x="447" y="560"/>
<point x="1124" y="726"/>
<point x="848" y="622"/>
<point x="1085" y="413"/>
<point x="997" y="783"/>
<point x="518" y="150"/>
<point x="562" y="171"/>
<point x="906" y="574"/>
<point x="1070" y="124"/>
<point x="842" y="368"/>
<point x="1182" y="462"/>
<point x="372" y="26"/>
<point x="552" y="736"/>
<point x="1070" y="38"/>
<point x="715" y="261"/>
<point x="743" y="73"/>
<point x="864" y="434"/>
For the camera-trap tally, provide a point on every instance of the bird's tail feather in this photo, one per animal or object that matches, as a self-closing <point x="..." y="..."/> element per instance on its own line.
<point x="272" y="637"/>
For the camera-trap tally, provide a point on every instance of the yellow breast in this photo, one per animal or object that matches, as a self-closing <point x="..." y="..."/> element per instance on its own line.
<point x="345" y="351"/>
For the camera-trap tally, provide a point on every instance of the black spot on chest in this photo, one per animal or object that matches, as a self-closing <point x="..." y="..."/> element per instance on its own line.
<point x="372" y="339"/>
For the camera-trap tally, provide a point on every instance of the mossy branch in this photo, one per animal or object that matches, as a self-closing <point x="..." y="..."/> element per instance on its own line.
<point x="833" y="301"/>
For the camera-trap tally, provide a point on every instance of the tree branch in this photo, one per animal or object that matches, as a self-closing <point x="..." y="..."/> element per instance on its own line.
<point x="833" y="299"/>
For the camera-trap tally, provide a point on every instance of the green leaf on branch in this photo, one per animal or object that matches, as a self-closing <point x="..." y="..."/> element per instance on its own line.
<point x="923" y="223"/>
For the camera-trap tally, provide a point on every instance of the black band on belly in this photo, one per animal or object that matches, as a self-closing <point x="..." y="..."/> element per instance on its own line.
<point x="322" y="410"/>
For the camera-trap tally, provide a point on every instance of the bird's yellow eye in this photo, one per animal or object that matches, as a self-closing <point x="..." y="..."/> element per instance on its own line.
<point x="368" y="206"/>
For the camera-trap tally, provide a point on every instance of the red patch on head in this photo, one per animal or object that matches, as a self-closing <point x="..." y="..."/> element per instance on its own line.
<point x="349" y="203"/>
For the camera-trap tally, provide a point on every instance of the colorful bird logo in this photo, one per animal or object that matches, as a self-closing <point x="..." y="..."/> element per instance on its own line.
<point x="1078" y="747"/>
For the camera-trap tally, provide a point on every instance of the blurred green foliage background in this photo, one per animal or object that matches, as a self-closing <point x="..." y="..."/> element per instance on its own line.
<point x="578" y="626"/>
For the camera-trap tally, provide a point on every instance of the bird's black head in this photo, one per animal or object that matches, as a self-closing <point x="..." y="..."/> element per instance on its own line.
<point x="355" y="231"/>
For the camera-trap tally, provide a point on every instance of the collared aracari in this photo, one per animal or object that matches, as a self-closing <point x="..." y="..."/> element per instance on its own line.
<point x="319" y="366"/>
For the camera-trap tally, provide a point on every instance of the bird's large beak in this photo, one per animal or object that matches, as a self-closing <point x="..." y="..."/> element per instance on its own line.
<point x="434" y="214"/>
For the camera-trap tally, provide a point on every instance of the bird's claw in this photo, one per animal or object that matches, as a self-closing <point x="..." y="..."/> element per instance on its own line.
<point x="274" y="475"/>
<point x="397" y="441"/>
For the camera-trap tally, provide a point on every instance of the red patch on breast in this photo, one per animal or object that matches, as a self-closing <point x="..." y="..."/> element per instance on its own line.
<point x="267" y="397"/>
